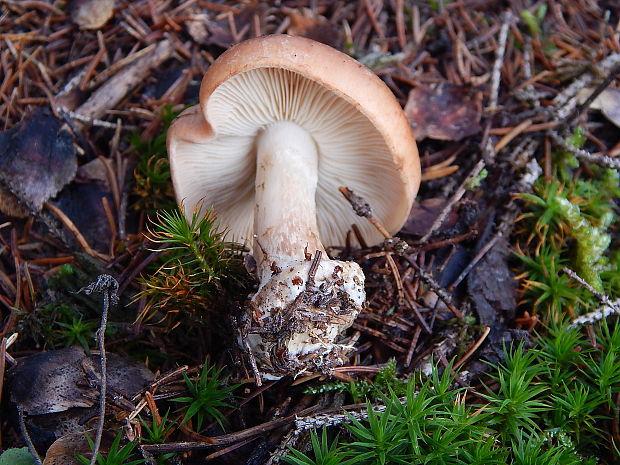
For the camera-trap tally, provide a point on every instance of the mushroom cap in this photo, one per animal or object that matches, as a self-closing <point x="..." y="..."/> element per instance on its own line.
<point x="363" y="138"/>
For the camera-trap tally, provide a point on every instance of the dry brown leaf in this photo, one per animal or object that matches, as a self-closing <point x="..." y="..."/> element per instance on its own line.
<point x="65" y="448"/>
<point x="307" y="23"/>
<point x="53" y="390"/>
<point x="608" y="102"/>
<point x="444" y="112"/>
<point x="37" y="158"/>
<point x="424" y="213"/>
<point x="197" y="27"/>
<point x="91" y="14"/>
<point x="47" y="382"/>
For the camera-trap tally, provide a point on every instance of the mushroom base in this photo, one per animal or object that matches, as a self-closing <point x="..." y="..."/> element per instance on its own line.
<point x="294" y="320"/>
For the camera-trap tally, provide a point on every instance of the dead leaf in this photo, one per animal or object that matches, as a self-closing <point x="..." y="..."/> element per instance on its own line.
<point x="307" y="23"/>
<point x="47" y="382"/>
<point x="94" y="170"/>
<point x="82" y="203"/>
<point x="37" y="158"/>
<point x="444" y="112"/>
<point x="197" y="27"/>
<point x="53" y="390"/>
<point x="91" y="14"/>
<point x="608" y="102"/>
<point x="492" y="287"/>
<point x="219" y="33"/>
<point x="423" y="214"/>
<point x="125" y="376"/>
<point x="65" y="448"/>
<point x="54" y="381"/>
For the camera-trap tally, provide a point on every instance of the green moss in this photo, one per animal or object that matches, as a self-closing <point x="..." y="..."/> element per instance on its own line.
<point x="547" y="405"/>
<point x="592" y="242"/>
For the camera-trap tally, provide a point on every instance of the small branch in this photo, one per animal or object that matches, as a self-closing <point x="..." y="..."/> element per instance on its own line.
<point x="599" y="89"/>
<point x="9" y="341"/>
<point x="584" y="155"/>
<point x="66" y="221"/>
<point x="312" y="271"/>
<point x="362" y="208"/>
<point x="107" y="286"/>
<point x="597" y="315"/>
<point x="479" y="256"/>
<point x="604" y="311"/>
<point x="473" y="348"/>
<point x="453" y="200"/>
<point x="564" y="101"/>
<point x="410" y="299"/>
<point x="252" y="360"/>
<point x="26" y="436"/>
<point x="397" y="279"/>
<point x="499" y="60"/>
<point x="91" y="121"/>
<point x="435" y="287"/>
<point x="602" y="297"/>
<point x="225" y="439"/>
<point x="149" y="459"/>
<point x="118" y="86"/>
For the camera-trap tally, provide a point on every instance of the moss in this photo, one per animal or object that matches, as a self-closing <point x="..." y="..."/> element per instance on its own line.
<point x="592" y="242"/>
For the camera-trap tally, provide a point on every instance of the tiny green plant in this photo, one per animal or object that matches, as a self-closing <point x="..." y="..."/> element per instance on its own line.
<point x="476" y="181"/>
<point x="380" y="439"/>
<point x="324" y="452"/>
<point x="386" y="381"/>
<point x="157" y="431"/>
<point x="534" y="20"/>
<point x="552" y="403"/>
<point x="208" y="394"/>
<point x="77" y="331"/>
<point x="544" y="285"/>
<point x="153" y="185"/>
<point x="195" y="262"/>
<point x="517" y="404"/>
<point x="568" y="222"/>
<point x="15" y="456"/>
<point x="116" y="455"/>
<point x="532" y="448"/>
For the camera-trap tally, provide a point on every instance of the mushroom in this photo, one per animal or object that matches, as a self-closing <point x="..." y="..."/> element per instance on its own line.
<point x="282" y="123"/>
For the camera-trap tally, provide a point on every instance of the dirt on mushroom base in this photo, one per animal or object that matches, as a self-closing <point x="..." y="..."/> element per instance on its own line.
<point x="294" y="330"/>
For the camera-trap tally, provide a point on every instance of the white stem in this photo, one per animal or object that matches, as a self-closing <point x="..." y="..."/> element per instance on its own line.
<point x="285" y="212"/>
<point x="297" y="314"/>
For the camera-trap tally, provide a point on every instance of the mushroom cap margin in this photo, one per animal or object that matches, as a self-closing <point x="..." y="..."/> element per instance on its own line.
<point x="332" y="69"/>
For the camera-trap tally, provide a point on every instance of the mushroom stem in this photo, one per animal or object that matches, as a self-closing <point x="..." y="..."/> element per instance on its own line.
<point x="285" y="211"/>
<point x="301" y="306"/>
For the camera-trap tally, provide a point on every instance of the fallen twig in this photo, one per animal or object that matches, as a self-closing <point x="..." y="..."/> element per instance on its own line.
<point x="27" y="439"/>
<point x="435" y="287"/>
<point x="74" y="231"/>
<point x="477" y="169"/>
<point x="565" y="101"/>
<point x="609" y="307"/>
<point x="114" y="90"/>
<point x="499" y="60"/>
<point x="92" y="121"/>
<point x="362" y="208"/>
<point x="600" y="88"/>
<point x="584" y="155"/>
<point x="473" y="348"/>
<point x="107" y="286"/>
